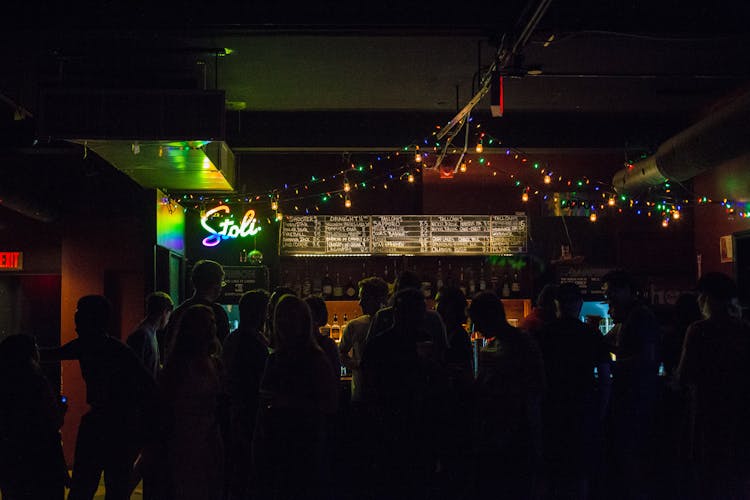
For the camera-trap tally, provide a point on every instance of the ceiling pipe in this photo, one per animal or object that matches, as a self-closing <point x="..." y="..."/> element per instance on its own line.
<point x="718" y="138"/>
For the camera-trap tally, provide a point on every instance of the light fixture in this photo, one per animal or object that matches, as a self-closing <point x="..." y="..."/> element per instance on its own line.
<point x="592" y="217"/>
<point x="348" y="202"/>
<point x="611" y="202"/>
<point x="547" y="179"/>
<point x="525" y="197"/>
<point x="479" y="147"/>
<point x="410" y="178"/>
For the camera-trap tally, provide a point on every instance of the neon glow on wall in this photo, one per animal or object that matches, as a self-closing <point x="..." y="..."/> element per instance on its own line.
<point x="227" y="228"/>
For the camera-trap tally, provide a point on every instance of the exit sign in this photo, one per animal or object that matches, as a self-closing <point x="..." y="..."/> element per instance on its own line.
<point x="11" y="261"/>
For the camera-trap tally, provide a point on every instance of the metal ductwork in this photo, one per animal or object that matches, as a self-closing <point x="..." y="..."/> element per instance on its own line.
<point x="720" y="137"/>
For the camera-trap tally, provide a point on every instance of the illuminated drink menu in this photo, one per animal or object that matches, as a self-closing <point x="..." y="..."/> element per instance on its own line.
<point x="404" y="235"/>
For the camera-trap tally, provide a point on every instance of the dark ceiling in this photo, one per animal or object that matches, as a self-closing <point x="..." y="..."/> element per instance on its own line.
<point x="616" y="74"/>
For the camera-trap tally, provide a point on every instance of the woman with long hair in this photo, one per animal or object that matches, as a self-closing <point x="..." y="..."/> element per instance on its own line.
<point x="298" y="390"/>
<point x="190" y="392"/>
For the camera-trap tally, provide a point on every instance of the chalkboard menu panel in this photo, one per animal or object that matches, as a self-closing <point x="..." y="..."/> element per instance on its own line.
<point x="346" y="234"/>
<point x="508" y="234"/>
<point x="400" y="234"/>
<point x="303" y="234"/>
<point x="404" y="235"/>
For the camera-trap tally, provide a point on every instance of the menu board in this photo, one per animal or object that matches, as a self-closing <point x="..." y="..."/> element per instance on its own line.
<point x="325" y="235"/>
<point x="588" y="279"/>
<point x="404" y="235"/>
<point x="241" y="279"/>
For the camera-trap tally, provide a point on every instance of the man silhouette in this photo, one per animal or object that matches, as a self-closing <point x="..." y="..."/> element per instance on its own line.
<point x="118" y="390"/>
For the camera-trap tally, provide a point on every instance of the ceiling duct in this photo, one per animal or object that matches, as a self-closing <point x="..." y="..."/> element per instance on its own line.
<point x="718" y="138"/>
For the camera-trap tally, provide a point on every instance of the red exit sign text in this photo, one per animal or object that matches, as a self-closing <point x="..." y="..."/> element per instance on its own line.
<point x="11" y="261"/>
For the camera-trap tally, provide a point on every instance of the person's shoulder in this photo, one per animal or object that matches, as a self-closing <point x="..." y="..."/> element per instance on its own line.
<point x="360" y="321"/>
<point x="219" y="310"/>
<point x="326" y="342"/>
<point x="232" y="339"/>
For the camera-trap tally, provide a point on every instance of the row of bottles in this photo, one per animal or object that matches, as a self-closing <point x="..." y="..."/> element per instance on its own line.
<point x="334" y="328"/>
<point x="471" y="282"/>
<point x="326" y="286"/>
<point x="337" y="279"/>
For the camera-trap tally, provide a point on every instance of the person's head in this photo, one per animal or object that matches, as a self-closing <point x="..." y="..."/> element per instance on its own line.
<point x="253" y="309"/>
<point x="293" y="326"/>
<point x="451" y="305"/>
<point x="93" y="315"/>
<point x="408" y="308"/>
<point x="545" y="301"/>
<point x="196" y="333"/>
<point x="686" y="309"/>
<point x="159" y="307"/>
<point x="488" y="314"/>
<point x="208" y="279"/>
<point x="569" y="301"/>
<point x="271" y="308"/>
<point x="406" y="280"/>
<point x="318" y="310"/>
<point x="717" y="294"/>
<point x="18" y="352"/>
<point x="619" y="290"/>
<point x="373" y="292"/>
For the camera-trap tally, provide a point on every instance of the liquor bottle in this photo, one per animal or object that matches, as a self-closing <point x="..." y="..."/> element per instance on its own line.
<point x="243" y="255"/>
<point x="350" y="290"/>
<point x="287" y="283"/>
<point x="426" y="287"/>
<point x="325" y="330"/>
<point x="306" y="286"/>
<point x="495" y="282"/>
<point x="482" y="282"/>
<point x="439" y="277"/>
<point x="335" y="328"/>
<point x="462" y="283"/>
<point x="345" y="321"/>
<point x="515" y="286"/>
<point x="472" y="283"/>
<point x="506" y="287"/>
<point x="327" y="286"/>
<point x="364" y="271"/>
<point x="386" y="278"/>
<point x="317" y="285"/>
<point x="298" y="285"/>
<point x="338" y="290"/>
<point x="449" y="279"/>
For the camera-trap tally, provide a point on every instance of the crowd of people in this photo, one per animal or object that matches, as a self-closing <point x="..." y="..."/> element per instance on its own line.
<point x="552" y="409"/>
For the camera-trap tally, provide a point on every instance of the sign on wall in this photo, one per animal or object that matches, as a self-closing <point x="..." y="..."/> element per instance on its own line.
<point x="404" y="235"/>
<point x="220" y="224"/>
<point x="11" y="261"/>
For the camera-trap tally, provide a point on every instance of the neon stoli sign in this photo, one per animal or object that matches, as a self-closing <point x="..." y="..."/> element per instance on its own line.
<point x="227" y="228"/>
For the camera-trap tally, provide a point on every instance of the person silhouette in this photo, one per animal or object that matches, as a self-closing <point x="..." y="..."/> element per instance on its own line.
<point x="190" y="392"/>
<point x="208" y="281"/>
<point x="144" y="340"/>
<point x="32" y="465"/>
<point x="572" y="351"/>
<point x="713" y="366"/>
<point x="509" y="386"/>
<point x="119" y="391"/>
<point x="297" y="393"/>
<point x="245" y="353"/>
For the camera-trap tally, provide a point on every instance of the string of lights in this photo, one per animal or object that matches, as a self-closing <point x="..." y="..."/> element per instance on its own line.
<point x="582" y="196"/>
